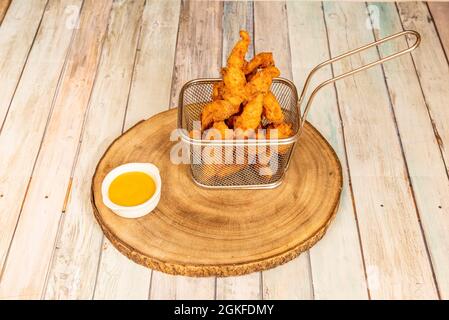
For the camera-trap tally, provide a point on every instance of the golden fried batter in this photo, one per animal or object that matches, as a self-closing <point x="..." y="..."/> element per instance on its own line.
<point x="218" y="110"/>
<point x="261" y="60"/>
<point x="272" y="109"/>
<point x="217" y="91"/>
<point x="261" y="82"/>
<point x="225" y="132"/>
<point x="234" y="85"/>
<point x="237" y="55"/>
<point x="251" y="115"/>
<point x="283" y="130"/>
<point x="234" y="82"/>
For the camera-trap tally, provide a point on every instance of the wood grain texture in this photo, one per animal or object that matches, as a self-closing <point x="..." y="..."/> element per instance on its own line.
<point x="4" y="5"/>
<point x="432" y="68"/>
<point x="76" y="257"/>
<point x="155" y="59"/>
<point x="199" y="46"/>
<point x="237" y="15"/>
<point x="119" y="277"/>
<point x="198" y="54"/>
<point x="289" y="281"/>
<point x="25" y="125"/>
<point x="17" y="34"/>
<point x="421" y="146"/>
<point x="440" y="15"/>
<point x="46" y="192"/>
<point x="397" y="265"/>
<point x="164" y="286"/>
<point x="203" y="237"/>
<point x="271" y="34"/>
<point x="247" y="287"/>
<point x="337" y="263"/>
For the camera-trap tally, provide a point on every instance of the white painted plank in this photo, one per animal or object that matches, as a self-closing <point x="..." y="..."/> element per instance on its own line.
<point x="289" y="281"/>
<point x="337" y="263"/>
<point x="395" y="253"/>
<point x="199" y="46"/>
<point x="75" y="263"/>
<point x="432" y="68"/>
<point x="168" y="287"/>
<point x="247" y="287"/>
<point x="17" y="33"/>
<point x="119" y="277"/>
<point x="271" y="34"/>
<point x="26" y="122"/>
<point x="31" y="250"/>
<point x="237" y="15"/>
<point x="421" y="149"/>
<point x="440" y="13"/>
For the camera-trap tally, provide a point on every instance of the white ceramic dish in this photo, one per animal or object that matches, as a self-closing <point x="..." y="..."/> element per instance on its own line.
<point x="141" y="209"/>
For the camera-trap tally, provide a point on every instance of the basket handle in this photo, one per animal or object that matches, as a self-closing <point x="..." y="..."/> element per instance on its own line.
<point x="364" y="67"/>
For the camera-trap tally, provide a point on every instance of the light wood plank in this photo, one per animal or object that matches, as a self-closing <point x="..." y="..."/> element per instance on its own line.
<point x="23" y="129"/>
<point x="17" y="33"/>
<point x="337" y="263"/>
<point x="426" y="166"/>
<point x="271" y="34"/>
<point x="198" y="54"/>
<point x="4" y="5"/>
<point x="247" y="287"/>
<point x="440" y="15"/>
<point x="432" y="68"/>
<point x="150" y="91"/>
<point x="75" y="262"/>
<point x="119" y="277"/>
<point x="291" y="281"/>
<point x="199" y="47"/>
<point x="168" y="287"/>
<point x="32" y="248"/>
<point x="394" y="250"/>
<point x="238" y="15"/>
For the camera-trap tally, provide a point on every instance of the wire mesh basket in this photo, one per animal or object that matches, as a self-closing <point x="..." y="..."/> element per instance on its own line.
<point x="255" y="163"/>
<point x="250" y="163"/>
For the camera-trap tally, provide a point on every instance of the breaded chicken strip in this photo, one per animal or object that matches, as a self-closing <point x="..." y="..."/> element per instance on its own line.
<point x="284" y="130"/>
<point x="261" y="82"/>
<point x="234" y="85"/>
<point x="272" y="109"/>
<point x="217" y="90"/>
<point x="251" y="115"/>
<point x="218" y="110"/>
<point x="261" y="60"/>
<point x="225" y="132"/>
<point x="233" y="92"/>
<point x="237" y="56"/>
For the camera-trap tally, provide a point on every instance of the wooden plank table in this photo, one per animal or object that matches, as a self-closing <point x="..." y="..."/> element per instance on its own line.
<point x="75" y="73"/>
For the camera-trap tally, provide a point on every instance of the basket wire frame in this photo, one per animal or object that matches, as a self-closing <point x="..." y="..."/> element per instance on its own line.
<point x="238" y="163"/>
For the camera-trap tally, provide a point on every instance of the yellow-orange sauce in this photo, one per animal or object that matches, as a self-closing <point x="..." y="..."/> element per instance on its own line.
<point x="131" y="189"/>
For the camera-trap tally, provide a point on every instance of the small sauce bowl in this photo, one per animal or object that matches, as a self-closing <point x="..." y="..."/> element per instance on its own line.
<point x="138" y="210"/>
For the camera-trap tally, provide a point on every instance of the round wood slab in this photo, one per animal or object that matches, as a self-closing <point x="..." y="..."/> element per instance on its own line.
<point x="203" y="232"/>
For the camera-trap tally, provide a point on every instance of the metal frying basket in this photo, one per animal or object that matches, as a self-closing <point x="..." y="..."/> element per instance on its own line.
<point x="256" y="163"/>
